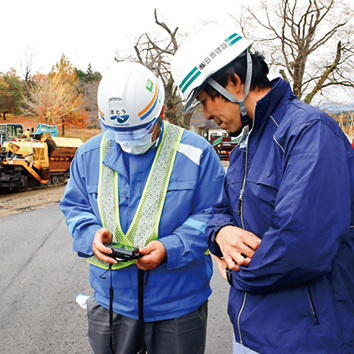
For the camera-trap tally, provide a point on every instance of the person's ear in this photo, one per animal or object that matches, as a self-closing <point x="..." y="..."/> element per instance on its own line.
<point x="235" y="86"/>
<point x="162" y="113"/>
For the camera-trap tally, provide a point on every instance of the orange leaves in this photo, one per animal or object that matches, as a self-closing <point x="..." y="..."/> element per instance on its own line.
<point x="56" y="97"/>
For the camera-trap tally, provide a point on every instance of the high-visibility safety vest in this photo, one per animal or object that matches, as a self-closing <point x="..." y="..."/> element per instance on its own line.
<point x="145" y="225"/>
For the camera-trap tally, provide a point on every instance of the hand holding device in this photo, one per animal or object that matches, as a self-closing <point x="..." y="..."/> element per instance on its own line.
<point x="123" y="255"/>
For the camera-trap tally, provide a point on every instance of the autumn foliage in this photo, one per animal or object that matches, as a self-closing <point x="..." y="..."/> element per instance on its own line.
<point x="56" y="98"/>
<point x="10" y="92"/>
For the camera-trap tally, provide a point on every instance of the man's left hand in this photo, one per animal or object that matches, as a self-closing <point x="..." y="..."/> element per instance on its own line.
<point x="152" y="255"/>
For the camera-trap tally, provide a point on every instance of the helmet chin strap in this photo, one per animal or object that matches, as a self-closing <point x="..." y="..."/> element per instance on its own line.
<point x="231" y="97"/>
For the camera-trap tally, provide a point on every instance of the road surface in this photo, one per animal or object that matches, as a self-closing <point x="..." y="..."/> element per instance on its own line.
<point x="39" y="279"/>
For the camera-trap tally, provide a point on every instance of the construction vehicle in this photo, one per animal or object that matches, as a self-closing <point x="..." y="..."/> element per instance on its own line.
<point x="46" y="128"/>
<point x="9" y="131"/>
<point x="223" y="145"/>
<point x="36" y="161"/>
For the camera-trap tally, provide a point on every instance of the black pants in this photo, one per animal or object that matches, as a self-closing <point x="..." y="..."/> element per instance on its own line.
<point x="182" y="335"/>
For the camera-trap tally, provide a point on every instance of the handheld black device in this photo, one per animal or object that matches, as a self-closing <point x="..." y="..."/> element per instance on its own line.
<point x="123" y="255"/>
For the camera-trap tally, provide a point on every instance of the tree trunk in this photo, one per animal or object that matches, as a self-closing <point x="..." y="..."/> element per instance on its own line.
<point x="62" y="128"/>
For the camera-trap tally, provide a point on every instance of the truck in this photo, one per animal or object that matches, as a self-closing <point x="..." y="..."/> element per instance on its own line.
<point x="223" y="145"/>
<point x="39" y="161"/>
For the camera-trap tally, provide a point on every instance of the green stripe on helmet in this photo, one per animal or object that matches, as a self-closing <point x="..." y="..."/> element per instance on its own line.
<point x="232" y="40"/>
<point x="191" y="81"/>
<point x="187" y="77"/>
<point x="231" y="37"/>
<point x="235" y="40"/>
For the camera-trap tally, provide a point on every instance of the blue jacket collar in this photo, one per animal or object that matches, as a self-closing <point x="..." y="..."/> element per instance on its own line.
<point x="280" y="92"/>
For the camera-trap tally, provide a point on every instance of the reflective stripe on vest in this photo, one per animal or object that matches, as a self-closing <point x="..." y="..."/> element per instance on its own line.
<point x="145" y="225"/>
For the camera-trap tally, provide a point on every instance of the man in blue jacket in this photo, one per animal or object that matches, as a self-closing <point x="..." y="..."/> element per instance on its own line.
<point x="284" y="230"/>
<point x="145" y="185"/>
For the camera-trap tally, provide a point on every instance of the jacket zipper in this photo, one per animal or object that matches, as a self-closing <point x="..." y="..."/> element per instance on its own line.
<point x="240" y="200"/>
<point x="239" y="316"/>
<point x="311" y="303"/>
<point x="240" y="212"/>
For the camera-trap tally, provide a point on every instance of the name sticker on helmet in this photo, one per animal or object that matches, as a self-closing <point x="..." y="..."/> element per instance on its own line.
<point x="228" y="42"/>
<point x="149" y="85"/>
<point x="117" y="110"/>
<point x="212" y="55"/>
<point x="218" y="50"/>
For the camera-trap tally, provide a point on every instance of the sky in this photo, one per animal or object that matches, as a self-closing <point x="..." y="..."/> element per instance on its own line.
<point x="93" y="31"/>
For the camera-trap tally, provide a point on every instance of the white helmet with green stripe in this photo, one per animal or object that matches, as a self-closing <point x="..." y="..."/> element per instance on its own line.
<point x="203" y="54"/>
<point x="130" y="99"/>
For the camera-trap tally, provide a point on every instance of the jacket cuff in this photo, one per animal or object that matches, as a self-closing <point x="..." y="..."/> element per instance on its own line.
<point x="173" y="247"/>
<point x="83" y="239"/>
<point x="213" y="246"/>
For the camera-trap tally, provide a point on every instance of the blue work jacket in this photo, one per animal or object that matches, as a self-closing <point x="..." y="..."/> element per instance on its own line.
<point x="180" y="284"/>
<point x="297" y="294"/>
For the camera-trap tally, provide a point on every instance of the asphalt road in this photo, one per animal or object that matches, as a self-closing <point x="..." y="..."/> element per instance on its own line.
<point x="39" y="279"/>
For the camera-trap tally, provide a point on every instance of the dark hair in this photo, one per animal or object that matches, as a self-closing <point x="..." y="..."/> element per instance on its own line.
<point x="239" y="67"/>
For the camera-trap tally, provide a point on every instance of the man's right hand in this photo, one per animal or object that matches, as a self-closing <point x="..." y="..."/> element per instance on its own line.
<point x="237" y="246"/>
<point x="102" y="237"/>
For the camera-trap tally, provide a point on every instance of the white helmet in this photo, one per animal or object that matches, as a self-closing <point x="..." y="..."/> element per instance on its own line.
<point x="203" y="54"/>
<point x="130" y="99"/>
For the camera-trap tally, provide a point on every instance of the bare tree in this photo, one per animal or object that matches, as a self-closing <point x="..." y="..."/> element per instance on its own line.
<point x="308" y="41"/>
<point x="156" y="54"/>
<point x="26" y="63"/>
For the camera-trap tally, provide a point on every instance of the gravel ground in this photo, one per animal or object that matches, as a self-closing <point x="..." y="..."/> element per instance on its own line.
<point x="18" y="202"/>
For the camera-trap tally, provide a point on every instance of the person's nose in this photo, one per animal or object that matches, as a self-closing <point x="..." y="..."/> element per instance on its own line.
<point x="206" y="113"/>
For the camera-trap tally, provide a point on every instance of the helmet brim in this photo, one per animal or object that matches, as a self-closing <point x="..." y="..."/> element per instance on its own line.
<point x="192" y="101"/>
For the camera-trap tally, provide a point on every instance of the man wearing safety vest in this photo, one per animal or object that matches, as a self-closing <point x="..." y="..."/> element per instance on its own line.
<point x="147" y="188"/>
<point x="284" y="230"/>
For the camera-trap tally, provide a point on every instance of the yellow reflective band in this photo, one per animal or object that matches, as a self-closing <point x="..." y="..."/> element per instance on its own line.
<point x="145" y="224"/>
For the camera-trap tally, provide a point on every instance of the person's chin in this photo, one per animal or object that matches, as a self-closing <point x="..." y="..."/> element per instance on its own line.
<point x="235" y="133"/>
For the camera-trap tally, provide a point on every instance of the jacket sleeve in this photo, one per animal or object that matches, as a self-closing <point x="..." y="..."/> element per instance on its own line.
<point x="188" y="241"/>
<point x="78" y="212"/>
<point x="221" y="217"/>
<point x="311" y="214"/>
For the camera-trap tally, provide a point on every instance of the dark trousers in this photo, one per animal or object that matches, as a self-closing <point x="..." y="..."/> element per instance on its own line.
<point x="182" y="335"/>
